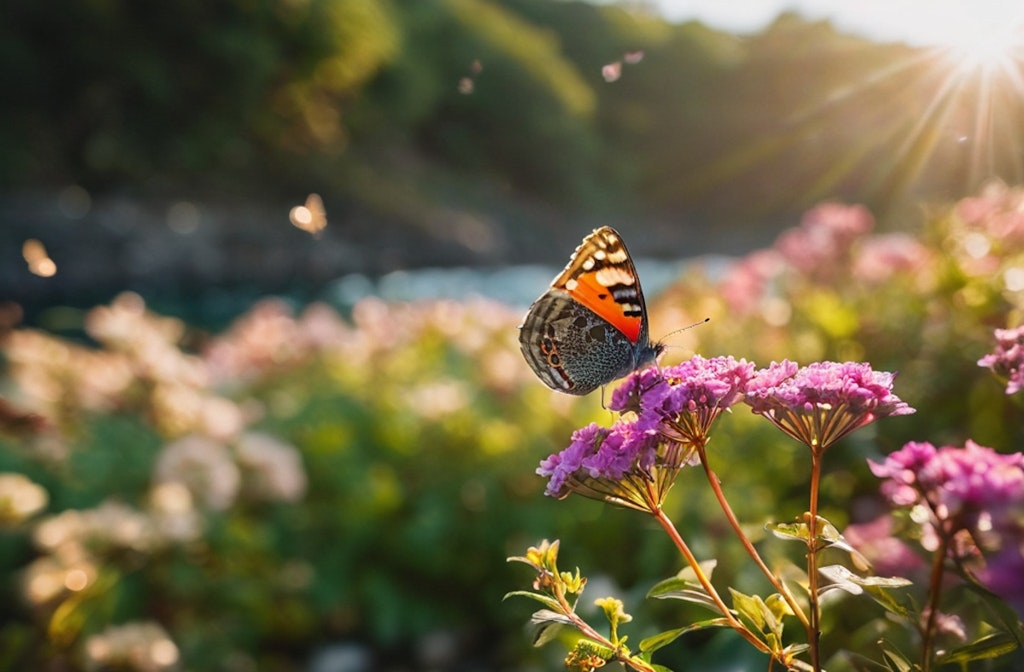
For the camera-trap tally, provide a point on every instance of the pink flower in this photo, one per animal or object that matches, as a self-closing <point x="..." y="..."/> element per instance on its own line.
<point x="824" y="238"/>
<point x="747" y="282"/>
<point x="974" y="500"/>
<point x="1007" y="361"/>
<point x="888" y="555"/>
<point x="880" y="257"/>
<point x="998" y="211"/>
<point x="823" y="402"/>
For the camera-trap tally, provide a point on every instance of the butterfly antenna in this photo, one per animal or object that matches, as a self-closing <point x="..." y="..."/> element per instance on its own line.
<point x="687" y="327"/>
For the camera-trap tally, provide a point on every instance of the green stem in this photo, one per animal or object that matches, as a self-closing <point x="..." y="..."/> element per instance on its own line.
<point x="716" y="487"/>
<point x="814" y="627"/>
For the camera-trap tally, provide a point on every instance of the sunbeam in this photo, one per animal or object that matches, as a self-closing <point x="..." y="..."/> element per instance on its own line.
<point x="951" y="115"/>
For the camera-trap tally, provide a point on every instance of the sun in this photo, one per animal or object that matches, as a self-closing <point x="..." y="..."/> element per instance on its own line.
<point x="989" y="49"/>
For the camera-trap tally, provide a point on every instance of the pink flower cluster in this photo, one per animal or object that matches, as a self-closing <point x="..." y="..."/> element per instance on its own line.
<point x="824" y="237"/>
<point x="674" y="409"/>
<point x="998" y="211"/>
<point x="832" y="241"/>
<point x="974" y="499"/>
<point x="1007" y="361"/>
<point x="823" y="402"/>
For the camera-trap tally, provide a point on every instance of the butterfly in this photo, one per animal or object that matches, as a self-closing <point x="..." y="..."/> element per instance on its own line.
<point x="590" y="327"/>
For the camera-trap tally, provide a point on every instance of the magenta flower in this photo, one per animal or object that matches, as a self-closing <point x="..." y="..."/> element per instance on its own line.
<point x="823" y="402"/>
<point x="972" y="499"/>
<point x="667" y="413"/>
<point x="1007" y="361"/>
<point x="958" y="484"/>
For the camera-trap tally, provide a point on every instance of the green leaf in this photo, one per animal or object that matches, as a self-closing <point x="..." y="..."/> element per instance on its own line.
<point x="655" y="642"/>
<point x="750" y="607"/>
<point x="877" y="587"/>
<point x="549" y="602"/>
<point x="547" y="625"/>
<point x="827" y="533"/>
<point x="754" y="610"/>
<point x="790" y="531"/>
<point x="707" y="568"/>
<point x="547" y="616"/>
<point x="894" y="658"/>
<point x="991" y="646"/>
<point x="685" y="579"/>
<point x="685" y="586"/>
<point x="1005" y="614"/>
<point x="687" y="595"/>
<point x="777" y="604"/>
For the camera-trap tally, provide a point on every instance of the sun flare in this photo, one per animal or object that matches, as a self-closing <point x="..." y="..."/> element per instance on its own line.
<point x="995" y="48"/>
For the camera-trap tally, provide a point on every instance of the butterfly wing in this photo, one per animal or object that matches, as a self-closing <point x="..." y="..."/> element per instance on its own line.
<point x="571" y="348"/>
<point x="590" y="327"/>
<point x="601" y="275"/>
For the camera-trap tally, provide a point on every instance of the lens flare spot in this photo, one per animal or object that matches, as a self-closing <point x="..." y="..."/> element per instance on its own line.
<point x="76" y="580"/>
<point x="39" y="262"/>
<point x="311" y="217"/>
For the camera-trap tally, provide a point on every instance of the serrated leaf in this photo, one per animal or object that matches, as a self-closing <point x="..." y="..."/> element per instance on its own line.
<point x="990" y="646"/>
<point x="589" y="647"/>
<point x="662" y="639"/>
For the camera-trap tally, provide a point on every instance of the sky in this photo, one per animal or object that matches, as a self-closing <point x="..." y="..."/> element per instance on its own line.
<point x="917" y="22"/>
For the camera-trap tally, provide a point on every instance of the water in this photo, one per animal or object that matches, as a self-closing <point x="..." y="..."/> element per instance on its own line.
<point x="516" y="286"/>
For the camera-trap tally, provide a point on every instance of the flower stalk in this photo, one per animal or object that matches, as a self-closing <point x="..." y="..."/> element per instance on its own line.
<point x="691" y="559"/>
<point x="730" y="515"/>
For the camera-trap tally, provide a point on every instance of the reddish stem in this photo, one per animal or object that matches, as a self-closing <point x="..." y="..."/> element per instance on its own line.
<point x="814" y="627"/>
<point x="735" y="523"/>
<point x="673" y="534"/>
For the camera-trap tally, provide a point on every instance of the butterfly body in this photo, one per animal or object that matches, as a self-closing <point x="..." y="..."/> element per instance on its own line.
<point x="590" y="327"/>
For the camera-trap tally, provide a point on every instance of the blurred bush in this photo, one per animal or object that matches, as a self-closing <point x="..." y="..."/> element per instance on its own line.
<point x="241" y="500"/>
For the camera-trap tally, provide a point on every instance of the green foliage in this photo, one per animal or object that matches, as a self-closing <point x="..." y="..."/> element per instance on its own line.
<point x="502" y="96"/>
<point x="122" y="92"/>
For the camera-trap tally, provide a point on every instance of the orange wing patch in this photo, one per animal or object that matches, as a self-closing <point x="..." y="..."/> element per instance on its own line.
<point x="593" y="291"/>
